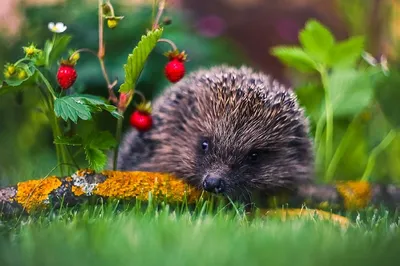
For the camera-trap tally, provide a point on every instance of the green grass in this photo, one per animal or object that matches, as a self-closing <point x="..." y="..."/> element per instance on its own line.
<point x="108" y="234"/>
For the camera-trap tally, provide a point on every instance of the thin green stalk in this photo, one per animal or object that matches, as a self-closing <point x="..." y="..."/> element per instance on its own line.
<point x="330" y="172"/>
<point x="74" y="163"/>
<point x="118" y="137"/>
<point x="375" y="152"/>
<point x="317" y="140"/>
<point x="62" y="153"/>
<point x="22" y="60"/>
<point x="329" y="117"/>
<point x="46" y="82"/>
<point x="48" y="101"/>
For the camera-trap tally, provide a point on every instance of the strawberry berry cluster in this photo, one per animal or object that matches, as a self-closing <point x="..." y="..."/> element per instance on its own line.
<point x="141" y="118"/>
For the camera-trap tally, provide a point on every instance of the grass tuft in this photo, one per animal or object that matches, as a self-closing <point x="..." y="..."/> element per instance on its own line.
<point x="208" y="234"/>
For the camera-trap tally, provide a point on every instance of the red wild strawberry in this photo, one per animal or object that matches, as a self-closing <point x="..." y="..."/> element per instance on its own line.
<point x="66" y="76"/>
<point x="175" y="68"/>
<point x="141" y="120"/>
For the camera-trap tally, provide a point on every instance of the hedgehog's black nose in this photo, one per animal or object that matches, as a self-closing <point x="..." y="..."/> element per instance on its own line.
<point x="214" y="184"/>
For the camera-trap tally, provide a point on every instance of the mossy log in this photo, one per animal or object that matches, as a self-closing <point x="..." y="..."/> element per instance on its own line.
<point x="29" y="196"/>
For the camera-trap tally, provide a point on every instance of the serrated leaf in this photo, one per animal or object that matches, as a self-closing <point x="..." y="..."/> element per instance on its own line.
<point x="137" y="59"/>
<point x="388" y="94"/>
<point x="72" y="108"/>
<point x="294" y="57"/>
<point x="72" y="141"/>
<point x="346" y="53"/>
<point x="351" y="91"/>
<point x="97" y="104"/>
<point x="53" y="49"/>
<point x="316" y="40"/>
<point x="96" y="158"/>
<point x="60" y="45"/>
<point x="101" y="140"/>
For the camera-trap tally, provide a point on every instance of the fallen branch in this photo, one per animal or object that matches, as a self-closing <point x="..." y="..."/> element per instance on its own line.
<point x="29" y="196"/>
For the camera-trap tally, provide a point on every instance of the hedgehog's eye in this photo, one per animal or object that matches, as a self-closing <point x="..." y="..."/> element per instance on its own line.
<point x="204" y="145"/>
<point x="253" y="156"/>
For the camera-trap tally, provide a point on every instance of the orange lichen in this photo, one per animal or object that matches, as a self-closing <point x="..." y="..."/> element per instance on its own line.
<point x="356" y="194"/>
<point x="32" y="194"/>
<point x="77" y="191"/>
<point x="83" y="172"/>
<point x="297" y="213"/>
<point x="128" y="185"/>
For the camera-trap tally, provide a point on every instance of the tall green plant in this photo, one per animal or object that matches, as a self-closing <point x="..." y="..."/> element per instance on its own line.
<point x="347" y="83"/>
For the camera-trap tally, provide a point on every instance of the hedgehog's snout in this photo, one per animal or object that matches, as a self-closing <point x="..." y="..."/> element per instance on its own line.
<point x="214" y="184"/>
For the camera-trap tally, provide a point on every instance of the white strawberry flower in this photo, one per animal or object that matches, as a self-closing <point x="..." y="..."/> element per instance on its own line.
<point x="58" y="27"/>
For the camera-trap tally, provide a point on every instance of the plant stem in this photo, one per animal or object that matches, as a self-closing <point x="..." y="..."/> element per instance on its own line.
<point x="329" y="118"/>
<point x="47" y="101"/>
<point x="60" y="149"/>
<point x="169" y="42"/>
<point x="375" y="152"/>
<point x="161" y="7"/>
<point x="62" y="152"/>
<point x="111" y="8"/>
<point x="153" y="8"/>
<point x="46" y="82"/>
<point x="118" y="137"/>
<point x="141" y="95"/>
<point x="21" y="60"/>
<point x="110" y="86"/>
<point x="83" y="50"/>
<point x="101" y="53"/>
<point x="330" y="172"/>
<point x="318" y="135"/>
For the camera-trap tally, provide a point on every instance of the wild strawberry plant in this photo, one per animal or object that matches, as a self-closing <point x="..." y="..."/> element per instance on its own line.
<point x="65" y="105"/>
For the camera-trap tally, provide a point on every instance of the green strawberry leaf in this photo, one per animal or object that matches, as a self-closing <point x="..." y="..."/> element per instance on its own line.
<point x="351" y="91"/>
<point x="93" y="145"/>
<point x="81" y="106"/>
<point x="60" y="45"/>
<point x="346" y="53"/>
<point x="294" y="57"/>
<point x="101" y="140"/>
<point x="96" y="158"/>
<point x="137" y="59"/>
<point x="72" y="141"/>
<point x="316" y="40"/>
<point x="97" y="104"/>
<point x="53" y="49"/>
<point x="70" y="107"/>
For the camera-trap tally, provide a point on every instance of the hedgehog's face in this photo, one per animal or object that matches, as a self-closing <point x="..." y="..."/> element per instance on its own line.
<point x="233" y="133"/>
<point x="250" y="155"/>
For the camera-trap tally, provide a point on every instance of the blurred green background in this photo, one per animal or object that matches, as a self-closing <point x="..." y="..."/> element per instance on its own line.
<point x="211" y="32"/>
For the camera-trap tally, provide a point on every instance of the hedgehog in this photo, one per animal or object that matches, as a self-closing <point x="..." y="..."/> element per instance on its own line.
<point x="227" y="130"/>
